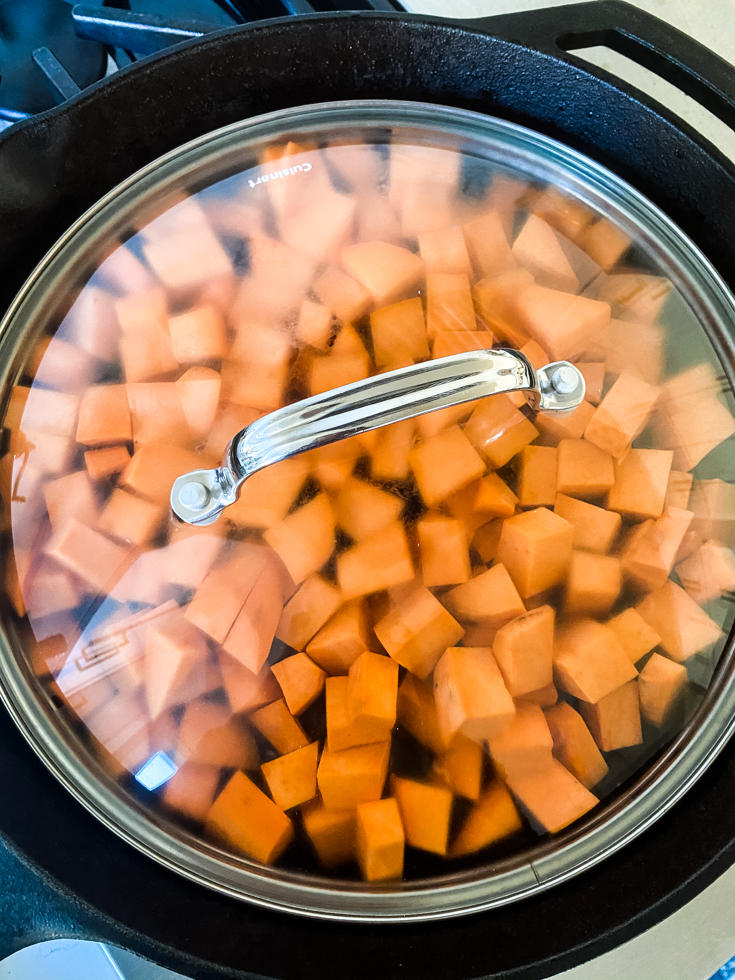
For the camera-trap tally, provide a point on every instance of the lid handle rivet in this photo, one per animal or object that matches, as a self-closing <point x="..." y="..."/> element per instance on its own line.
<point x="194" y="496"/>
<point x="564" y="380"/>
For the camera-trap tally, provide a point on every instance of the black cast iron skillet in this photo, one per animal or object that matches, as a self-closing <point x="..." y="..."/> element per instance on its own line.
<point x="63" y="874"/>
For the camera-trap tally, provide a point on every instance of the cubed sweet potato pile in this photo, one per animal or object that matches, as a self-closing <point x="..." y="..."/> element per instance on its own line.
<point x="511" y="598"/>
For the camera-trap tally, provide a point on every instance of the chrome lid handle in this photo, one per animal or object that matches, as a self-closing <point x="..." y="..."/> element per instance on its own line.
<point x="200" y="497"/>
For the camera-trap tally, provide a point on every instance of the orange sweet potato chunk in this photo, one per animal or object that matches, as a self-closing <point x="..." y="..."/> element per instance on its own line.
<point x="593" y="584"/>
<point x="537" y="249"/>
<point x="279" y="726"/>
<point x="344" y="731"/>
<point x="69" y="497"/>
<point x="449" y="342"/>
<point x="713" y="503"/>
<point x="198" y="336"/>
<point x="604" y="242"/>
<point x="104" y="416"/>
<point x="551" y="797"/>
<point x="173" y="647"/>
<point x="444" y="464"/>
<point x="444" y="552"/>
<point x="650" y="554"/>
<point x="493" y="818"/>
<point x="331" y="832"/>
<point x="708" y="572"/>
<point x="104" y="463"/>
<point x="379" y="562"/>
<point x="209" y="734"/>
<point x="426" y="809"/>
<point x="291" y="778"/>
<point x="372" y="691"/>
<point x="362" y="510"/>
<point x="660" y="686"/>
<point x="353" y="776"/>
<point x="678" y="489"/>
<point x="490" y="598"/>
<point x="91" y="556"/>
<point x="321" y="225"/>
<point x="145" y="344"/>
<point x="589" y="662"/>
<point x="153" y="469"/>
<point x="615" y="720"/>
<point x="574" y="745"/>
<point x="386" y="271"/>
<point x="471" y="697"/>
<point x="198" y="390"/>
<point x="191" y="790"/>
<point x="488" y="246"/>
<point x="583" y="469"/>
<point x="595" y="529"/>
<point x="448" y="303"/>
<point x="523" y="649"/>
<point x="537" y="476"/>
<point x="342" y="295"/>
<point x="417" y="631"/>
<point x="553" y="428"/>
<point x="245" y="820"/>
<point x="416" y="712"/>
<point x="267" y="496"/>
<point x="536" y="549"/>
<point x="389" y="457"/>
<point x="684" y="628"/>
<point x="251" y="635"/>
<point x="342" y="639"/>
<point x="563" y="324"/>
<point x="380" y="840"/>
<point x="301" y="681"/>
<point x="498" y="430"/>
<point x="445" y="250"/>
<point x="524" y="745"/>
<point x="496" y="304"/>
<point x="641" y="483"/>
<point x="621" y="415"/>
<point x="131" y="518"/>
<point x="399" y="334"/>
<point x="314" y="326"/>
<point x="245" y="690"/>
<point x="305" y="538"/>
<point x="494" y="498"/>
<point x="157" y="414"/>
<point x="460" y="767"/>
<point x="634" y="634"/>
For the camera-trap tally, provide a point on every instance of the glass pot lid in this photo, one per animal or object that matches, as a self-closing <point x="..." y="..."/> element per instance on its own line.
<point x="430" y="666"/>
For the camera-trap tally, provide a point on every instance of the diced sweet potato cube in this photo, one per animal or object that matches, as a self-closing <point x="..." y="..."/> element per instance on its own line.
<point x="537" y="249"/>
<point x="524" y="745"/>
<point x="574" y="745"/>
<point x="490" y="598"/>
<point x="494" y="497"/>
<point x="372" y="691"/>
<point x="377" y="563"/>
<point x="709" y="572"/>
<point x="693" y="431"/>
<point x="380" y="840"/>
<point x="307" y="611"/>
<point x="651" y="556"/>
<point x="523" y="649"/>
<point x="553" y="428"/>
<point x="153" y="469"/>
<point x="593" y="584"/>
<point x="713" y="504"/>
<point x="594" y="377"/>
<point x="91" y="556"/>
<point x="338" y="643"/>
<point x="426" y="809"/>
<point x="583" y="469"/>
<point x="131" y="518"/>
<point x="604" y="242"/>
<point x="145" y="344"/>
<point x="444" y="250"/>
<point x="615" y="720"/>
<point x="245" y="819"/>
<point x="690" y="543"/>
<point x="173" y="647"/>
<point x="444" y="553"/>
<point x="488" y="245"/>
<point x="634" y="634"/>
<point x="198" y="390"/>
<point x="70" y="497"/>
<point x="386" y="271"/>
<point x="291" y="778"/>
<point x="157" y="414"/>
<point x="595" y="529"/>
<point x="267" y="496"/>
<point x="258" y="384"/>
<point x="471" y="698"/>
<point x="448" y="303"/>
<point x="417" y="631"/>
<point x="496" y="299"/>
<point x="301" y="681"/>
<point x="389" y="458"/>
<point x="562" y="323"/>
<point x="344" y="731"/>
<point x="210" y="735"/>
<point x="43" y="410"/>
<point x="444" y="464"/>
<point x="335" y="370"/>
<point x="621" y="415"/>
<point x="191" y="790"/>
<point x="314" y="326"/>
<point x="684" y="628"/>
<point x="280" y="727"/>
<point x="536" y="548"/>
<point x="198" y="336"/>
<point x="331" y="832"/>
<point x="544" y="697"/>
<point x="321" y="225"/>
<point x="552" y="797"/>
<point x="103" y="463"/>
<point x="678" y="489"/>
<point x="641" y="483"/>
<point x="245" y="690"/>
<point x="104" y="416"/>
<point x="251" y="635"/>
<point x="537" y="476"/>
<point x="416" y="712"/>
<point x="486" y="539"/>
<point x="399" y="334"/>
<point x="589" y="662"/>
<point x="493" y="818"/>
<point x="181" y="247"/>
<point x="498" y="430"/>
<point x="305" y="539"/>
<point x="636" y="347"/>
<point x="460" y="767"/>
<point x="641" y="296"/>
<point x="660" y="686"/>
<point x="353" y="776"/>
<point x="458" y="341"/>
<point x="341" y="295"/>
<point x="229" y="420"/>
<point x="362" y="509"/>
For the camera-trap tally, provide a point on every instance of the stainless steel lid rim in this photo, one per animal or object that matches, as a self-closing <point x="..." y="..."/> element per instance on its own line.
<point x="607" y="830"/>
